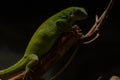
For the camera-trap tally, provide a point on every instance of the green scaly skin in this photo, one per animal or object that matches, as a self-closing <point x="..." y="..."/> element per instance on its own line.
<point x="45" y="37"/>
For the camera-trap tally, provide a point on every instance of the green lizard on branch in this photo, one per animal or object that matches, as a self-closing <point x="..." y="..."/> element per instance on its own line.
<point x="47" y="35"/>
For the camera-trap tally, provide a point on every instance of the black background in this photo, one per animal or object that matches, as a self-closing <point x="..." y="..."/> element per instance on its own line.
<point x="19" y="19"/>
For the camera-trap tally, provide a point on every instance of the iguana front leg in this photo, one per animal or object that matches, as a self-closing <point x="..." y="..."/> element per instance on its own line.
<point x="83" y="39"/>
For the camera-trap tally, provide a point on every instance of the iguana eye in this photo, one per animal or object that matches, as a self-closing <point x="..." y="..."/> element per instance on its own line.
<point x="72" y="16"/>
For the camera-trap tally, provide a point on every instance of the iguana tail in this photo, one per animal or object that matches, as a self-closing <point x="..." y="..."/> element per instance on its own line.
<point x="19" y="66"/>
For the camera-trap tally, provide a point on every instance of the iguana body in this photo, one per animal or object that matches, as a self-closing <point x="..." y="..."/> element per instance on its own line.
<point x="45" y="37"/>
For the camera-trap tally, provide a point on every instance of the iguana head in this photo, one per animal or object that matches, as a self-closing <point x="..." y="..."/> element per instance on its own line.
<point x="69" y="16"/>
<point x="77" y="13"/>
<point x="74" y="13"/>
